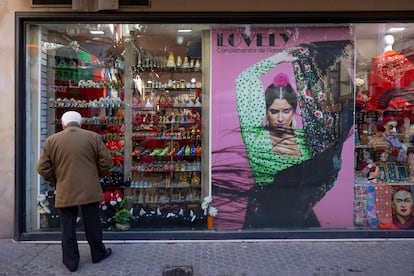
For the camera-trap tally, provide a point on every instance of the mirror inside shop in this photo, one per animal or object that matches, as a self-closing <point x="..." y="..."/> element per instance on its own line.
<point x="196" y="141"/>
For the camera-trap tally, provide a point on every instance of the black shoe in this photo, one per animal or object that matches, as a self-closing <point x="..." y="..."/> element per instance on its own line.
<point x="71" y="269"/>
<point x="108" y="253"/>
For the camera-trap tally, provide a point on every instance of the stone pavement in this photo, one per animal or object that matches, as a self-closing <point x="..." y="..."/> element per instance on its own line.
<point x="221" y="258"/>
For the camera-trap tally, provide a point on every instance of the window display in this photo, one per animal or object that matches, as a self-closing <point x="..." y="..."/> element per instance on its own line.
<point x="166" y="140"/>
<point x="291" y="123"/>
<point x="383" y="141"/>
<point x="151" y="126"/>
<point x="276" y="126"/>
<point x="79" y="81"/>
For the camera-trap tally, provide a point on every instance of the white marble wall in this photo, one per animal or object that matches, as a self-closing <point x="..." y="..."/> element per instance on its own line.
<point x="7" y="117"/>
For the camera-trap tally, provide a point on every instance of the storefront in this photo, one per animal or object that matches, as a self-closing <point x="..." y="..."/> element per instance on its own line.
<point x="272" y="128"/>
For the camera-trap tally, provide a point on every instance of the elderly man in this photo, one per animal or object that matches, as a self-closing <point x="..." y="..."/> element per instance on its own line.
<point x="74" y="159"/>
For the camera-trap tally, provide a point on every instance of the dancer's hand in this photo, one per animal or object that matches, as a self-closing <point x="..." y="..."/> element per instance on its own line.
<point x="285" y="55"/>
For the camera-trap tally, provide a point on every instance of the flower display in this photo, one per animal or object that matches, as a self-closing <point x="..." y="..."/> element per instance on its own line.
<point x="43" y="204"/>
<point x="111" y="198"/>
<point x="359" y="82"/>
<point x="208" y="207"/>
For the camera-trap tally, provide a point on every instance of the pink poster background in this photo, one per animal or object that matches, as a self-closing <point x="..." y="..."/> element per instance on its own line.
<point x="231" y="177"/>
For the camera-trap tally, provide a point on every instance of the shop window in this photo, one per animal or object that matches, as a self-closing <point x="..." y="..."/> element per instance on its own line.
<point x="185" y="118"/>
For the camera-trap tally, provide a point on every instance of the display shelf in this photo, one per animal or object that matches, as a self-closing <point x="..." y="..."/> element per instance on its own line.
<point x="166" y="137"/>
<point x="182" y="70"/>
<point x="161" y="67"/>
<point x="166" y="166"/>
<point x="389" y="152"/>
<point x="160" y="197"/>
<point x="149" y="118"/>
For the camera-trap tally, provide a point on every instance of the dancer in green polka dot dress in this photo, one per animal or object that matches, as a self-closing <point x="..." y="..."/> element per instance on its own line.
<point x="273" y="143"/>
<point x="292" y="168"/>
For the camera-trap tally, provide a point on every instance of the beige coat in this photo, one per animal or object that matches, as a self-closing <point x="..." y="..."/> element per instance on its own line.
<point x="75" y="159"/>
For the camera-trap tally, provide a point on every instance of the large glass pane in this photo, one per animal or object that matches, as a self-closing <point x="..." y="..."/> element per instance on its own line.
<point x="257" y="118"/>
<point x="286" y="96"/>
<point x="140" y="87"/>
<point x="383" y="132"/>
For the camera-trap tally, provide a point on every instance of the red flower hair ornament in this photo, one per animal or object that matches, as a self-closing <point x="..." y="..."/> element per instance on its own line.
<point x="281" y="79"/>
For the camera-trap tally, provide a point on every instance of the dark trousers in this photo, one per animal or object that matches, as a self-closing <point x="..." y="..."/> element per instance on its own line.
<point x="93" y="231"/>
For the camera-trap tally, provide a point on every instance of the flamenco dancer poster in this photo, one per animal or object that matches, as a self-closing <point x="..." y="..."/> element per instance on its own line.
<point x="282" y="156"/>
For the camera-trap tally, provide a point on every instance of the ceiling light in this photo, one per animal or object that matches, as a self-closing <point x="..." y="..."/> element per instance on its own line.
<point x="96" y="32"/>
<point x="395" y="29"/>
<point x="184" y="30"/>
<point x="180" y="40"/>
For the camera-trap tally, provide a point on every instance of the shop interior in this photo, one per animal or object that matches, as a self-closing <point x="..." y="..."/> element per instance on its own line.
<point x="161" y="168"/>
